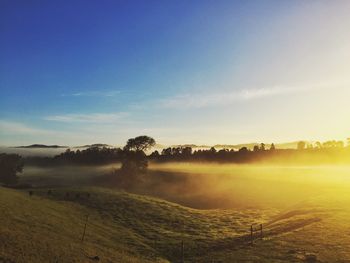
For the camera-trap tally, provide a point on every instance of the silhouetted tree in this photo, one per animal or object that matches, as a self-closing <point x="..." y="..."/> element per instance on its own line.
<point x="243" y="150"/>
<point x="273" y="147"/>
<point x="10" y="165"/>
<point x="309" y="146"/>
<point x="256" y="148"/>
<point x="135" y="162"/>
<point x="333" y="144"/>
<point x="91" y="155"/>
<point x="262" y="146"/>
<point x="186" y="152"/>
<point x="328" y="144"/>
<point x="155" y="155"/>
<point x="212" y="150"/>
<point x="140" y="143"/>
<point x="301" y="145"/>
<point x="166" y="151"/>
<point x="318" y="145"/>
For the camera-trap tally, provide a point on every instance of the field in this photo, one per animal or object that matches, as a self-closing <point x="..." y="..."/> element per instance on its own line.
<point x="304" y="212"/>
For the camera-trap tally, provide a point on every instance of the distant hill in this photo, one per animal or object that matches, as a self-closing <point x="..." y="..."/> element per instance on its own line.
<point x="189" y="145"/>
<point x="99" y="145"/>
<point x="236" y="146"/>
<point x="41" y="146"/>
<point x="286" y="145"/>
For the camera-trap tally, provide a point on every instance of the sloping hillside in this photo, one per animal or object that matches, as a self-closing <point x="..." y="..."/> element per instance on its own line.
<point x="123" y="227"/>
<point x="313" y="231"/>
<point x="157" y="227"/>
<point x="35" y="229"/>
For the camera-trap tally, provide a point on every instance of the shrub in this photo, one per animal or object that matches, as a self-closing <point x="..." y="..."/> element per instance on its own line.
<point x="10" y="165"/>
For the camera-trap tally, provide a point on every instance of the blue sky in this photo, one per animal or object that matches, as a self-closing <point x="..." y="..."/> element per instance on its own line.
<point x="205" y="72"/>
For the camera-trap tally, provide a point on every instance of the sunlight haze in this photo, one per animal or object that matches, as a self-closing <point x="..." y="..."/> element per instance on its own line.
<point x="168" y="131"/>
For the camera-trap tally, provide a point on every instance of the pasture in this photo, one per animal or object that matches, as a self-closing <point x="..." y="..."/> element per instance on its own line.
<point x="210" y="208"/>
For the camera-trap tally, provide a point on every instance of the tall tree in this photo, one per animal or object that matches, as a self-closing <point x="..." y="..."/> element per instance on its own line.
<point x="135" y="163"/>
<point x="140" y="143"/>
<point x="273" y="147"/>
<point x="262" y="146"/>
<point x="301" y="145"/>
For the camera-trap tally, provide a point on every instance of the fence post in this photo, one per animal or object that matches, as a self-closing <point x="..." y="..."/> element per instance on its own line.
<point x="182" y="252"/>
<point x="155" y="247"/>
<point x="82" y="238"/>
<point x="183" y="243"/>
<point x="251" y="234"/>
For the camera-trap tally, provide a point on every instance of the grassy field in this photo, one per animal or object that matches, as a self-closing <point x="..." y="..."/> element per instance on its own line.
<point x="36" y="229"/>
<point x="125" y="227"/>
<point x="122" y="227"/>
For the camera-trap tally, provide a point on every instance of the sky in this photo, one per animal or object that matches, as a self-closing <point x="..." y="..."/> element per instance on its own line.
<point x="204" y="72"/>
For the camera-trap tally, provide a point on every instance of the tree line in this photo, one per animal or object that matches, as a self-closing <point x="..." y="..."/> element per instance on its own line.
<point x="104" y="155"/>
<point x="307" y="152"/>
<point x="135" y="161"/>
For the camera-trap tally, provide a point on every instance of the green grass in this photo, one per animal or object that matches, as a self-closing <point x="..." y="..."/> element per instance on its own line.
<point x="125" y="227"/>
<point x="157" y="226"/>
<point x="36" y="229"/>
<point x="122" y="227"/>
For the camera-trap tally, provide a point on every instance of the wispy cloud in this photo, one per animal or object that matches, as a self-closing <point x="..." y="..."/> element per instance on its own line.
<point x="28" y="134"/>
<point x="94" y="93"/>
<point x="88" y="118"/>
<point x="221" y="98"/>
<point x="10" y="127"/>
<point x="267" y="92"/>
